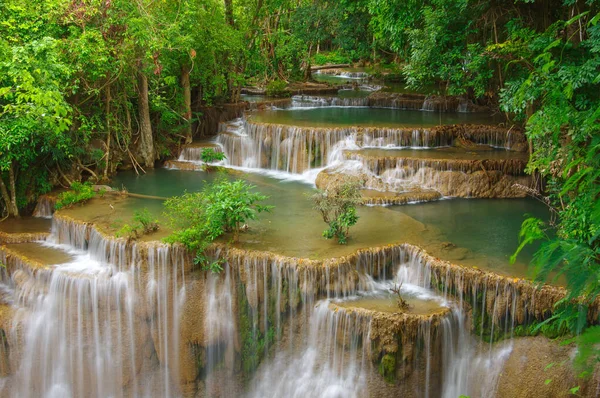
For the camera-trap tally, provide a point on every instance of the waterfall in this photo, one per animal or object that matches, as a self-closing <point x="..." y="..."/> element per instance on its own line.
<point x="194" y="153"/>
<point x="297" y="149"/>
<point x="103" y="324"/>
<point x="448" y="177"/>
<point x="44" y="207"/>
<point x="329" y="361"/>
<point x="342" y="73"/>
<point x="111" y="322"/>
<point x="301" y="152"/>
<point x="307" y="101"/>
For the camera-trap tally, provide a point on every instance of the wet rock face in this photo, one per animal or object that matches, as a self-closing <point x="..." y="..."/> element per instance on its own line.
<point x="45" y="206"/>
<point x="212" y="116"/>
<point x="426" y="184"/>
<point x="380" y="164"/>
<point x="533" y="361"/>
<point x="410" y="101"/>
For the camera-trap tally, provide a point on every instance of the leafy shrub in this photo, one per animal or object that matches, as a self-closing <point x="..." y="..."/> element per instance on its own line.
<point x="277" y="88"/>
<point x="209" y="155"/>
<point x="144" y="223"/>
<point x="127" y="231"/>
<point x="337" y="205"/>
<point x="79" y="193"/>
<point x="201" y="217"/>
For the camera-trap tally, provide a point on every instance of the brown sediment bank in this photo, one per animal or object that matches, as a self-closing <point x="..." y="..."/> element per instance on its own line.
<point x="372" y="197"/>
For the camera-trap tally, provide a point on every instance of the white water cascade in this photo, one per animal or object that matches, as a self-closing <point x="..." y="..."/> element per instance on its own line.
<point x="104" y="324"/>
<point x="293" y="152"/>
<point x="328" y="361"/>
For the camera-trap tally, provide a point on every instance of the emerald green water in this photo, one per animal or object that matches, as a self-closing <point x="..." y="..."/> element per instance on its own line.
<point x="343" y="116"/>
<point x="483" y="231"/>
<point x="487" y="227"/>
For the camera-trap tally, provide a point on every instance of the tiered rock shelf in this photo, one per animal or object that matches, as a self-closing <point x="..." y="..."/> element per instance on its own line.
<point x="25" y="229"/>
<point x="257" y="295"/>
<point x="477" y="172"/>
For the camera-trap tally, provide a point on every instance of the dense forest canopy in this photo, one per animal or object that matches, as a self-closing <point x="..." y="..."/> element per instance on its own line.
<point x="89" y="86"/>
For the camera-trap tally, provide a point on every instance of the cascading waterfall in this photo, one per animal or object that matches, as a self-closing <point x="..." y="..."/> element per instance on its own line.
<point x="329" y="361"/>
<point x="411" y="175"/>
<point x="220" y="331"/>
<point x="295" y="150"/>
<point x="308" y="101"/>
<point x="343" y="73"/>
<point x="75" y="343"/>
<point x="194" y="153"/>
<point x="103" y="324"/>
<point x="470" y="367"/>
<point x="114" y="313"/>
<point x="44" y="207"/>
<point x="330" y="354"/>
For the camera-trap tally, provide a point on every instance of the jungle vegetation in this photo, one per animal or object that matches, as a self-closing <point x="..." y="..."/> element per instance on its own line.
<point x="91" y="86"/>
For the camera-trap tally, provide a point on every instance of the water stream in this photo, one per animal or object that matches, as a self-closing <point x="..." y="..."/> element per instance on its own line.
<point x="84" y="314"/>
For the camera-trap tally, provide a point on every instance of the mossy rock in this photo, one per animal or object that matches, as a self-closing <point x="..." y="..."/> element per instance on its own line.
<point x="387" y="368"/>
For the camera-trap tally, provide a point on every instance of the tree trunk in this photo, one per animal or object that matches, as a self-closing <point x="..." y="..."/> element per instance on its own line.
<point x="13" y="190"/>
<point x="236" y="233"/>
<point x="147" y="143"/>
<point x="6" y="197"/>
<point x="187" y="102"/>
<point x="229" y="12"/>
<point x="307" y="71"/>
<point x="108" y="135"/>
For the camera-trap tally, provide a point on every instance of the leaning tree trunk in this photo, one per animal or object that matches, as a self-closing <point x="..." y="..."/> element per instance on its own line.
<point x="147" y="144"/>
<point x="187" y="102"/>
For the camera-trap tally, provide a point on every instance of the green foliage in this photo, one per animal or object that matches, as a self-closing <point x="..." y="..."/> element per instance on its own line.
<point x="201" y="217"/>
<point x="277" y="88"/>
<point x="127" y="231"/>
<point x="79" y="193"/>
<point x="143" y="223"/>
<point x="209" y="155"/>
<point x="556" y="92"/>
<point x="332" y="57"/>
<point x="337" y="205"/>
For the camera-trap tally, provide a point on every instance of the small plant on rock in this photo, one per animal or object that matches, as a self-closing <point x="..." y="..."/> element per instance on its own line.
<point x="402" y="304"/>
<point x="337" y="205"/>
<point x="143" y="224"/>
